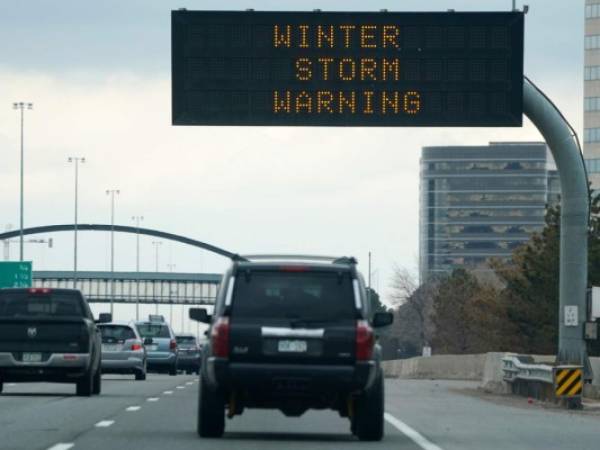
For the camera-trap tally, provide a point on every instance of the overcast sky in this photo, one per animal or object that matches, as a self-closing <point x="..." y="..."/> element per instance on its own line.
<point x="98" y="73"/>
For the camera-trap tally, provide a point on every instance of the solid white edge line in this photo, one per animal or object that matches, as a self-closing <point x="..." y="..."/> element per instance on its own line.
<point x="62" y="446"/>
<point x="411" y="433"/>
<point x="133" y="408"/>
<point x="104" y="423"/>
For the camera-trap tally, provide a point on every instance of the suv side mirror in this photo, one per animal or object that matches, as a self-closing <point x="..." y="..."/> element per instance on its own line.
<point x="382" y="319"/>
<point x="148" y="341"/>
<point x="104" y="318"/>
<point x="200" y="315"/>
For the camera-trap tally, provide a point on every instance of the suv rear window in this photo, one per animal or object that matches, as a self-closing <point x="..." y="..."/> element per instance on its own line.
<point x="153" y="330"/>
<point x="285" y="295"/>
<point x="116" y="333"/>
<point x="24" y="304"/>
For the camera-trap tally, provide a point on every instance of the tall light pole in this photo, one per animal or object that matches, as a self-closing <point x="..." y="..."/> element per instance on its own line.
<point x="156" y="244"/>
<point x="112" y="193"/>
<point x="137" y="220"/>
<point x="22" y="106"/>
<point x="76" y="160"/>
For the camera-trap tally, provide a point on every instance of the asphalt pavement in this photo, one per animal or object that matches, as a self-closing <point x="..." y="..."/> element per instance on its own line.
<point x="160" y="413"/>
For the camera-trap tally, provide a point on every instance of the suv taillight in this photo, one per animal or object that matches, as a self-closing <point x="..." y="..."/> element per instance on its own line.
<point x="365" y="340"/>
<point x="220" y="338"/>
<point x="173" y="344"/>
<point x="136" y="346"/>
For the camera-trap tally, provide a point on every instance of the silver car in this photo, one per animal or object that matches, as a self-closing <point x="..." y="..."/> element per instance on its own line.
<point x="123" y="349"/>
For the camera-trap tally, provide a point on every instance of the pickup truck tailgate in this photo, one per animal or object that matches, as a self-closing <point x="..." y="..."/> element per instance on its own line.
<point x="44" y="335"/>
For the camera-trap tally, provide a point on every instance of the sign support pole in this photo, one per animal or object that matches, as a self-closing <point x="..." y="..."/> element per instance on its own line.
<point x="574" y="223"/>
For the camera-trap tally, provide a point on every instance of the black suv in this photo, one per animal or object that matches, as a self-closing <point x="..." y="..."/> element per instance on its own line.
<point x="292" y="333"/>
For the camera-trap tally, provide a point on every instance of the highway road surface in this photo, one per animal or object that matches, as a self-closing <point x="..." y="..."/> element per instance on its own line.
<point x="160" y="414"/>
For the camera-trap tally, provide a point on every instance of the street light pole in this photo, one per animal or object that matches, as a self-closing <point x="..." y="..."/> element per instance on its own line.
<point x="112" y="193"/>
<point x="156" y="246"/>
<point x="137" y="219"/>
<point x="76" y="160"/>
<point x="22" y="106"/>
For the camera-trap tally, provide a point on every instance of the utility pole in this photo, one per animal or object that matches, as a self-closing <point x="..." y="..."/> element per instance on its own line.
<point x="22" y="106"/>
<point x="137" y="220"/>
<point x="76" y="160"/>
<point x="112" y="193"/>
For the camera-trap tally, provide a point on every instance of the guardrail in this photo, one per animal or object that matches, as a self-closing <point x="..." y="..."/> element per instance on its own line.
<point x="543" y="381"/>
<point x="519" y="367"/>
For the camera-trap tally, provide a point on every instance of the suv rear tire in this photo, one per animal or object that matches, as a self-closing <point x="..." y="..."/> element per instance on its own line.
<point x="85" y="385"/>
<point x="97" y="382"/>
<point x="173" y="370"/>
<point x="368" y="419"/>
<point x="1" y="386"/>
<point x="211" y="412"/>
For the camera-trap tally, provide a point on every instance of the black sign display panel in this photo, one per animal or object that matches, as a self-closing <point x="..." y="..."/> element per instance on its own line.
<point x="347" y="68"/>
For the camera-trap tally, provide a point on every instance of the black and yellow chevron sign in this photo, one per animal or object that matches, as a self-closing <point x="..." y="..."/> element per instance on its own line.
<point x="568" y="382"/>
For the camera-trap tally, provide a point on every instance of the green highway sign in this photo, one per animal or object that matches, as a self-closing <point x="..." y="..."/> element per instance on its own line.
<point x="15" y="274"/>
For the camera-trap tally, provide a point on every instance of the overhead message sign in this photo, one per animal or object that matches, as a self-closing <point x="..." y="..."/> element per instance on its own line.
<point x="15" y="274"/>
<point x="347" y="69"/>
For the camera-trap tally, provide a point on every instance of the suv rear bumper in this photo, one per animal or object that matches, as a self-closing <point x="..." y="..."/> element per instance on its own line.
<point x="232" y="375"/>
<point x="59" y="367"/>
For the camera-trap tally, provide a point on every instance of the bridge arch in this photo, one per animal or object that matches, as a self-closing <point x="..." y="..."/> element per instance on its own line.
<point x="120" y="229"/>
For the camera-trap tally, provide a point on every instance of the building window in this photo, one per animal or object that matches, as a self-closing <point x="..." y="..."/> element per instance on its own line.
<point x="592" y="41"/>
<point x="591" y="135"/>
<point x="592" y="11"/>
<point x="592" y="103"/>
<point x="592" y="73"/>
<point x="593" y="165"/>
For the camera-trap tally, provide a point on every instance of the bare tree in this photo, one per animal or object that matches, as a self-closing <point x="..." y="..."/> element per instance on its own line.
<point x="413" y="304"/>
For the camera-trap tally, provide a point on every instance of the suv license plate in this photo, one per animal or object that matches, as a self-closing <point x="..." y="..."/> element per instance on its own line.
<point x="32" y="357"/>
<point x="110" y="347"/>
<point x="152" y="347"/>
<point x="292" y="346"/>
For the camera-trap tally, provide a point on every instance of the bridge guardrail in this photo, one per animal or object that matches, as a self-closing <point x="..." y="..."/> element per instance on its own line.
<point x="543" y="380"/>
<point x="518" y="367"/>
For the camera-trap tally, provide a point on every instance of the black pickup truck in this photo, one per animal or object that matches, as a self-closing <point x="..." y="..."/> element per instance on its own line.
<point x="49" y="335"/>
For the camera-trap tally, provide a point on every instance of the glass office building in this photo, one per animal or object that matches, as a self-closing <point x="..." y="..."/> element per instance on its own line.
<point x="591" y="115"/>
<point x="481" y="202"/>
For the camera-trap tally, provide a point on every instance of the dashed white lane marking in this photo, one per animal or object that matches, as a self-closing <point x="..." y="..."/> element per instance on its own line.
<point x="189" y="383"/>
<point x="133" y="408"/>
<point x="180" y="387"/>
<point x="152" y="399"/>
<point x="104" y="423"/>
<point x="411" y="433"/>
<point x="168" y="392"/>
<point x="62" y="446"/>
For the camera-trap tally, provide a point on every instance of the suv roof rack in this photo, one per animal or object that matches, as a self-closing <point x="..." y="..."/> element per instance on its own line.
<point x="320" y="258"/>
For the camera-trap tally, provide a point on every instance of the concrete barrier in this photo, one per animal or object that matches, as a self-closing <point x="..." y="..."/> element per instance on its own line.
<point x="449" y="367"/>
<point x="486" y="367"/>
